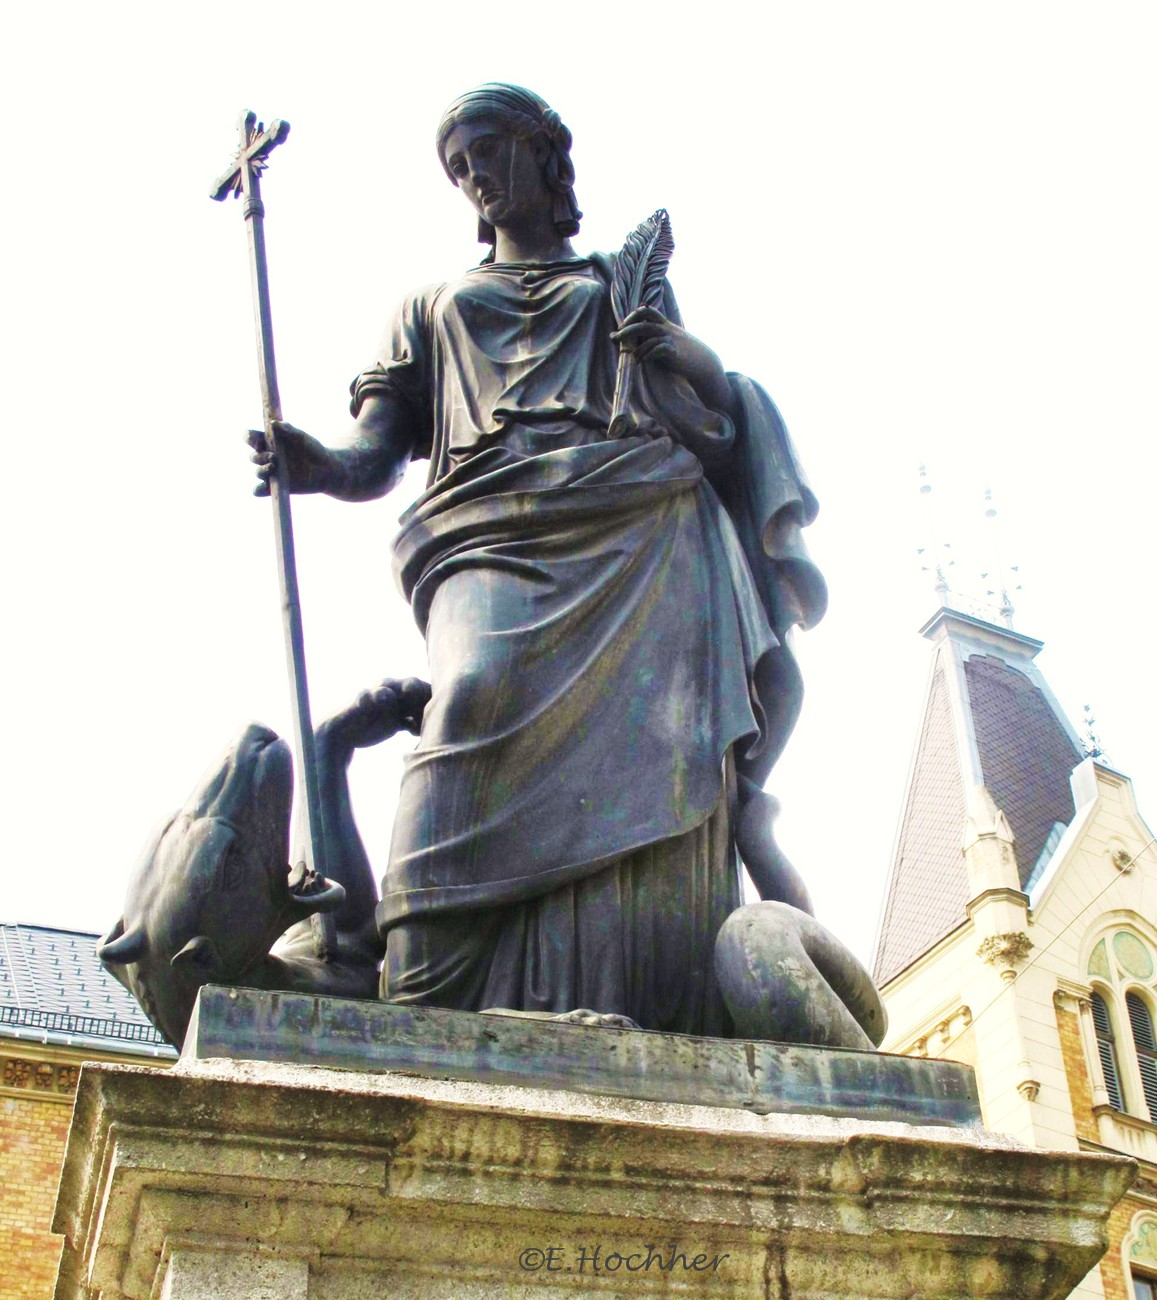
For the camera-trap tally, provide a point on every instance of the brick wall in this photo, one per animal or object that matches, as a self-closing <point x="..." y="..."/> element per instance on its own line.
<point x="32" y="1134"/>
<point x="1114" y="1279"/>
<point x="1112" y="1270"/>
<point x="37" y="1086"/>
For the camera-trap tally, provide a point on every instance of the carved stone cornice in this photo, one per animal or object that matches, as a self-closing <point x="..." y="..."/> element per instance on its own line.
<point x="939" y="1032"/>
<point x="1072" y="996"/>
<point x="1002" y="894"/>
<point x="25" y="1076"/>
<point x="143" y="1199"/>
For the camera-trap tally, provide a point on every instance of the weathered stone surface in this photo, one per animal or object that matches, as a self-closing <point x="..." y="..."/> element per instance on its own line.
<point x="346" y="1186"/>
<point x="246" y="1024"/>
<point x="196" y="1270"/>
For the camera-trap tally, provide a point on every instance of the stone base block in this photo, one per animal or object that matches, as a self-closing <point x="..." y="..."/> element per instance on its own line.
<point x="375" y="1037"/>
<point x="258" y="1180"/>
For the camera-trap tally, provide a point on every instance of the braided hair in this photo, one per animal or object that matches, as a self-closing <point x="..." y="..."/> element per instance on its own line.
<point x="523" y="114"/>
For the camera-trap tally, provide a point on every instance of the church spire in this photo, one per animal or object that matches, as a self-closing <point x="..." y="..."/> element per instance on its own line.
<point x="992" y="740"/>
<point x="989" y="721"/>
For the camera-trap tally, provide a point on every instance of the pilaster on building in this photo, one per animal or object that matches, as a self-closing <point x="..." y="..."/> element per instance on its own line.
<point x="1019" y="928"/>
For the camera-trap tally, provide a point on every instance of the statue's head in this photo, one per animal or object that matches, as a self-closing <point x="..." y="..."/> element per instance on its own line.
<point x="521" y="115"/>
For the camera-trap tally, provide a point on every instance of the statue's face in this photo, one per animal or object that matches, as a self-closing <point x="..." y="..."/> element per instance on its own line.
<point x="499" y="173"/>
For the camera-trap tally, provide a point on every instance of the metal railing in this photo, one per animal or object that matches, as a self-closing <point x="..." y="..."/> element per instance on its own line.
<point x="93" y="1026"/>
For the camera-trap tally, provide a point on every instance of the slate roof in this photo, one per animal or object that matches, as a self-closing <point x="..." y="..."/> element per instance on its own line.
<point x="1025" y="753"/>
<point x="928" y="889"/>
<point x="988" y="719"/>
<point x="53" y="990"/>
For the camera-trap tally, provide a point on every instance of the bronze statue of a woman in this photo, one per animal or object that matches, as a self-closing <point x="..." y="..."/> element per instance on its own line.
<point x="597" y="635"/>
<point x="606" y="618"/>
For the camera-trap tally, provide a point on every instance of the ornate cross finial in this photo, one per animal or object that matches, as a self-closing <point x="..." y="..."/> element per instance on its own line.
<point x="991" y="602"/>
<point x="934" y="558"/>
<point x="1003" y="584"/>
<point x="253" y="150"/>
<point x="1092" y="742"/>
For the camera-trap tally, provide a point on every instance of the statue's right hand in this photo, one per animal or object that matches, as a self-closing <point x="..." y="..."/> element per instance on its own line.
<point x="305" y="464"/>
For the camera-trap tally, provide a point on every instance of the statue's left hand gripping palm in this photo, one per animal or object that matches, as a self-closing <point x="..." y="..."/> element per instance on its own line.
<point x="652" y="339"/>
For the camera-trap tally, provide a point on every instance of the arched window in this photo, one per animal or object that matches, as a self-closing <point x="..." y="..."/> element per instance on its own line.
<point x="1139" y="1256"/>
<point x="1107" y="1050"/>
<point x="1141" y="1023"/>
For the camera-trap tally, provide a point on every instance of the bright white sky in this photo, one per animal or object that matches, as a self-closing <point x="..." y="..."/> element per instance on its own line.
<point x="929" y="229"/>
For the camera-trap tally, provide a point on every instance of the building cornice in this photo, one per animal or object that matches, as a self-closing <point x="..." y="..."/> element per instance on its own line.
<point x="1002" y="894"/>
<point x="980" y="635"/>
<point x="1147" y="1169"/>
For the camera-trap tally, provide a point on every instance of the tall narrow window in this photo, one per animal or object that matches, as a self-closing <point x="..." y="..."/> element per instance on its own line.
<point x="1142" y="1025"/>
<point x="1107" y="1050"/>
<point x="1144" y="1288"/>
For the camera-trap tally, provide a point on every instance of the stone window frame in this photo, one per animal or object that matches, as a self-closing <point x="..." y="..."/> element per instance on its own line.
<point x="1139" y="1252"/>
<point x="1128" y="1062"/>
<point x="1106" y="1047"/>
<point x="1145" y="1052"/>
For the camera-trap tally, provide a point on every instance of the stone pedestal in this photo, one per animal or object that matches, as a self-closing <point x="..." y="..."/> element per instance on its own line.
<point x="230" y="1179"/>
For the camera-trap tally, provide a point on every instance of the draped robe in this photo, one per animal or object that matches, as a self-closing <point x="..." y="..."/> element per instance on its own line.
<point x="606" y="623"/>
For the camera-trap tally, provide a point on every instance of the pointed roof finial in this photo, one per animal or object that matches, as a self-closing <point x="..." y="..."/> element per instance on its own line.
<point x="935" y="559"/>
<point x="1004" y="584"/>
<point x="1091" y="741"/>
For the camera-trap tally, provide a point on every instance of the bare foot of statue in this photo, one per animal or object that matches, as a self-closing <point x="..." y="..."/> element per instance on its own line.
<point x="579" y="1016"/>
<point x="603" y="1020"/>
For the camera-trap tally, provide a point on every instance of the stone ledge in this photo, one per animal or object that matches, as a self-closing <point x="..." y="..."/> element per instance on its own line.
<point x="390" y="1184"/>
<point x="245" y="1024"/>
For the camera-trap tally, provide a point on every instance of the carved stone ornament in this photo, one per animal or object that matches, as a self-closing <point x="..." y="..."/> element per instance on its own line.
<point x="39" y="1076"/>
<point x="1119" y="855"/>
<point x="1008" y="950"/>
<point x="17" y="1074"/>
<point x="1028" y="1088"/>
<point x="1026" y="1084"/>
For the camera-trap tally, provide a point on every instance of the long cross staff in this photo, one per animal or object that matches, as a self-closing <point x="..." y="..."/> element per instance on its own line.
<point x="244" y="178"/>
